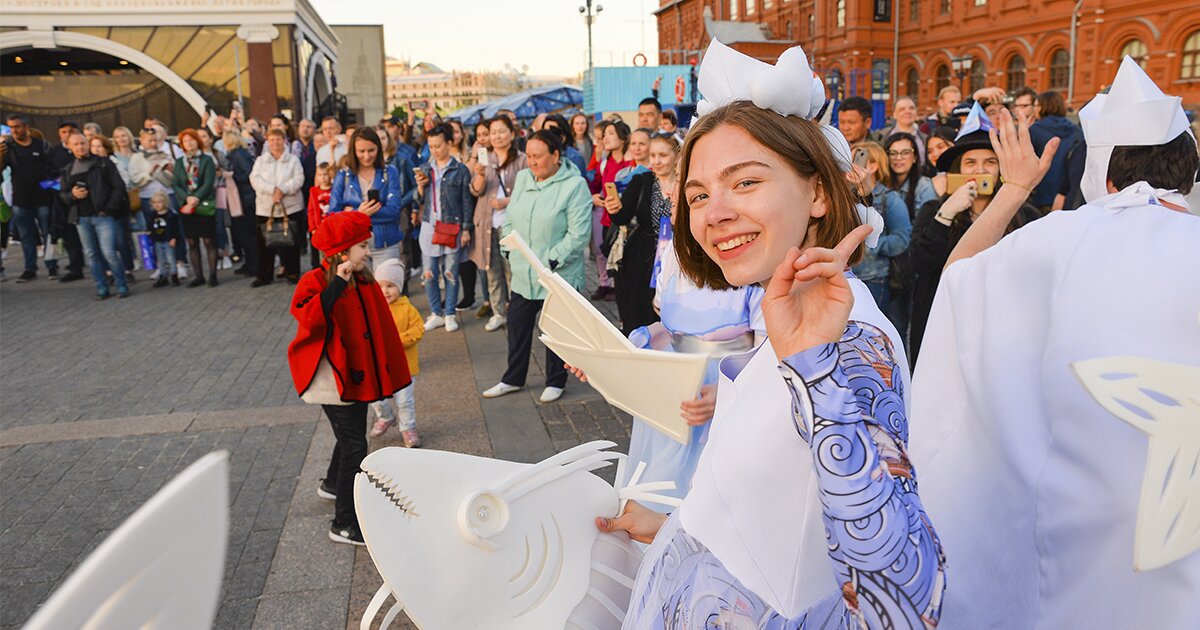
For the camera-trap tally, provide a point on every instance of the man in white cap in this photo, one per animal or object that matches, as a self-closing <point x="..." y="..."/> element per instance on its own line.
<point x="1056" y="414"/>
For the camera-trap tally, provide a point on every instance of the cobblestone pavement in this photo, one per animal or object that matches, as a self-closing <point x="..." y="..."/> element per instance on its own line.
<point x="101" y="403"/>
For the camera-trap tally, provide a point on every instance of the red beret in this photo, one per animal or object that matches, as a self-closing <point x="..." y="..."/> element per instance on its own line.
<point x="340" y="231"/>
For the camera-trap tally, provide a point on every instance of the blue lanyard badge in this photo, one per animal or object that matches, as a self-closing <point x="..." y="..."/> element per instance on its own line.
<point x="664" y="241"/>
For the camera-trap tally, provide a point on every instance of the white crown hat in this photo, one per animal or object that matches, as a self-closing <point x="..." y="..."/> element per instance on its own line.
<point x="1133" y="113"/>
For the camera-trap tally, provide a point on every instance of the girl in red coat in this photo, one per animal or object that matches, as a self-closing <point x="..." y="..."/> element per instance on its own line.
<point x="346" y="354"/>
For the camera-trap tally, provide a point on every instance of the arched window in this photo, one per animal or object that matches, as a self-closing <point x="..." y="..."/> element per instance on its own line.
<point x="941" y="77"/>
<point x="978" y="75"/>
<point x="834" y="81"/>
<point x="1135" y="48"/>
<point x="1189" y="65"/>
<point x="1016" y="73"/>
<point x="1060" y="69"/>
<point x="912" y="83"/>
<point x="841" y="13"/>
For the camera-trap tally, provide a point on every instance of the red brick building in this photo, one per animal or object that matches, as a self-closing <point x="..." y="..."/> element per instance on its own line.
<point x="1005" y="43"/>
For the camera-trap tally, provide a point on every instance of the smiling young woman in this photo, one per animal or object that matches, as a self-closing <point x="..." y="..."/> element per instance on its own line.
<point x="804" y="462"/>
<point x="732" y="186"/>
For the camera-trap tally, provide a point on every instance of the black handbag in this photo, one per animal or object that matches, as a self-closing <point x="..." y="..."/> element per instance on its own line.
<point x="279" y="231"/>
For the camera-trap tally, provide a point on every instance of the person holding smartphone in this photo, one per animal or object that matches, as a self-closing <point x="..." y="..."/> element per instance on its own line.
<point x="447" y="224"/>
<point x="940" y="223"/>
<point x="368" y="184"/>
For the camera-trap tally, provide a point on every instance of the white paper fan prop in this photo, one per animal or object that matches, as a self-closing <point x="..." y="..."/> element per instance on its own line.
<point x="646" y="383"/>
<point x="1162" y="400"/>
<point x="472" y="542"/>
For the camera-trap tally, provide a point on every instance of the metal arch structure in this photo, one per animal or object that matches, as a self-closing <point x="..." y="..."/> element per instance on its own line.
<point x="68" y="39"/>
<point x="526" y="104"/>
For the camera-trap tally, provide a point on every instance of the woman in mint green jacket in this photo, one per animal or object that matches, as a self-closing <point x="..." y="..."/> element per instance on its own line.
<point x="551" y="209"/>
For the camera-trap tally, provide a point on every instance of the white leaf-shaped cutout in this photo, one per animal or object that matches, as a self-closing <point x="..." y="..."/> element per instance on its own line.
<point x="1162" y="400"/>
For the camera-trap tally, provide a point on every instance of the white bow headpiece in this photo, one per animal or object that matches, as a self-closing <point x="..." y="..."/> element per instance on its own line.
<point x="790" y="87"/>
<point x="1133" y="113"/>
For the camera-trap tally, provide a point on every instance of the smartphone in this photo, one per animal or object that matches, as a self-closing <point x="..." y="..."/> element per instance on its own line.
<point x="481" y="154"/>
<point x="610" y="190"/>
<point x="860" y="157"/>
<point x="373" y="195"/>
<point x="987" y="183"/>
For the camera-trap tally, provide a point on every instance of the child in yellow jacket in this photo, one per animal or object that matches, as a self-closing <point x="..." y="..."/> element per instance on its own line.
<point x="391" y="276"/>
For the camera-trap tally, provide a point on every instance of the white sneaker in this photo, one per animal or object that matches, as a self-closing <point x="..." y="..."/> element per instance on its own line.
<point x="155" y="275"/>
<point x="182" y="270"/>
<point x="451" y="323"/>
<point x="226" y="263"/>
<point x="550" y="394"/>
<point x="434" y="321"/>
<point x="495" y="323"/>
<point x="500" y="389"/>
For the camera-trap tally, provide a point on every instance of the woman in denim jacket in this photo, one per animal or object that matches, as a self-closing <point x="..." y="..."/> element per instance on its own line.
<point x="451" y="202"/>
<point x="366" y="163"/>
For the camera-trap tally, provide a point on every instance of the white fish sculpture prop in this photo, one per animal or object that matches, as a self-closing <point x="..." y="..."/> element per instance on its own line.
<point x="161" y="569"/>
<point x="620" y="371"/>
<point x="471" y="542"/>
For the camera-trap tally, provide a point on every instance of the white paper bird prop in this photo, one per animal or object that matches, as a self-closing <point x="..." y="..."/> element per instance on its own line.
<point x="1162" y="400"/>
<point x="1133" y="113"/>
<point x="472" y="542"/>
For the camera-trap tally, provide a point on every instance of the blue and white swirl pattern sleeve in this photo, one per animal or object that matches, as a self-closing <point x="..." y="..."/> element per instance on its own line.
<point x="848" y="403"/>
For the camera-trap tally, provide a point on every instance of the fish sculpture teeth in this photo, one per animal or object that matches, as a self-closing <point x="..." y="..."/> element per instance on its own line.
<point x="471" y="542"/>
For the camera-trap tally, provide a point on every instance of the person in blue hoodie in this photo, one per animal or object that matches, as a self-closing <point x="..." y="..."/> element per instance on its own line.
<point x="1052" y="123"/>
<point x="366" y="170"/>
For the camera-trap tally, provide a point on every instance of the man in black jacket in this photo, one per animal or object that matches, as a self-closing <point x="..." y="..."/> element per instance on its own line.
<point x="60" y="156"/>
<point x="94" y="198"/>
<point x="29" y="159"/>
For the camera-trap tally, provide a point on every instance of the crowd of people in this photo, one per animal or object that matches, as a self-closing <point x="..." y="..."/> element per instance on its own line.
<point x="742" y="237"/>
<point x="811" y="264"/>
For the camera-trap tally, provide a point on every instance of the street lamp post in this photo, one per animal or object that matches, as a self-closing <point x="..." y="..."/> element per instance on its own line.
<point x="589" y="16"/>
<point x="961" y="65"/>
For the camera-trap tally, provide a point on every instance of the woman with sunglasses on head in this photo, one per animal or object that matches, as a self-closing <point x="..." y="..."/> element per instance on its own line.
<point x="915" y="189"/>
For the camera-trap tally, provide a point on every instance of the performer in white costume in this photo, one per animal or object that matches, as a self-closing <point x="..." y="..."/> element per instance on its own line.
<point x="1034" y="485"/>
<point x="806" y="460"/>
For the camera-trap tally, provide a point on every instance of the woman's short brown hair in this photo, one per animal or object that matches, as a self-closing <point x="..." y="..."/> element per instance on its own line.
<point x="803" y="146"/>
<point x="1051" y="103"/>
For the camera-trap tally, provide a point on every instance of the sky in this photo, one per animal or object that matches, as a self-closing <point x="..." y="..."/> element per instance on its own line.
<point x="548" y="36"/>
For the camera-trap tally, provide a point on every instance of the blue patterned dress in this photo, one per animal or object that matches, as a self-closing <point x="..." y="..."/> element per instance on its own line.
<point x="848" y="406"/>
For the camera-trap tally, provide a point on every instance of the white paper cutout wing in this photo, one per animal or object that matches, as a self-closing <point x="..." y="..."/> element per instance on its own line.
<point x="649" y="384"/>
<point x="161" y="569"/>
<point x="1162" y="400"/>
<point x="471" y="542"/>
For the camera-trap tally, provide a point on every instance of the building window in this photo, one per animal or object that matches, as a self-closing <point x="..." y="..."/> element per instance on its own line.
<point x="945" y="7"/>
<point x="1135" y="48"/>
<point x="733" y="9"/>
<point x="841" y="13"/>
<point x="1016" y="73"/>
<point x="1060" y="69"/>
<point x="1189" y="66"/>
<point x="981" y="3"/>
<point x="914" y="10"/>
<point x="751" y="7"/>
<point x="768" y="5"/>
<point x="912" y="83"/>
<point x="812" y="24"/>
<point x="978" y="75"/>
<point x="941" y="77"/>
